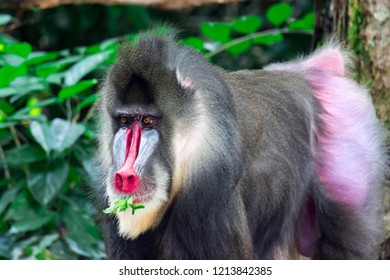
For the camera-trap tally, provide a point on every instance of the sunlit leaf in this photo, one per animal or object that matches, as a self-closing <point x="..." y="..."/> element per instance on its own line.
<point x="39" y="104"/>
<point x="13" y="60"/>
<point x="19" y="49"/>
<point x="246" y="24"/>
<point x="61" y="134"/>
<point x="217" y="31"/>
<point x="36" y="111"/>
<point x="9" y="73"/>
<point x="195" y="42"/>
<point x="27" y="84"/>
<point x="279" y="13"/>
<point x="43" y="135"/>
<point x="306" y="23"/>
<point x="44" y="70"/>
<point x="5" y="19"/>
<point x="35" y="58"/>
<point x="6" y="92"/>
<point x="65" y="133"/>
<point x="70" y="91"/>
<point x="85" y="66"/>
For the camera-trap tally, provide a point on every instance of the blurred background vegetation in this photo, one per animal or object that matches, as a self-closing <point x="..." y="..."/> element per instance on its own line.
<point x="51" y="63"/>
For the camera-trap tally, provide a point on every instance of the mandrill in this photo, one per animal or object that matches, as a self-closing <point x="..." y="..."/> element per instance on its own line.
<point x="263" y="164"/>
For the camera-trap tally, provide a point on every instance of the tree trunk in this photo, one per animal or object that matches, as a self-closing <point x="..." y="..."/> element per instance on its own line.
<point x="364" y="25"/>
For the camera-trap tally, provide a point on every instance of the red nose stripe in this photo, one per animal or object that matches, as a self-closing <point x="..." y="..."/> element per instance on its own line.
<point x="126" y="180"/>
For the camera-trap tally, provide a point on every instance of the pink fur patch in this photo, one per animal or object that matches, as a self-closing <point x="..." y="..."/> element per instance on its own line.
<point x="347" y="147"/>
<point x="330" y="60"/>
<point x="348" y="151"/>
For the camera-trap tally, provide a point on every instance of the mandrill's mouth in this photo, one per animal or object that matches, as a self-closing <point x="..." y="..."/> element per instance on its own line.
<point x="143" y="198"/>
<point x="140" y="197"/>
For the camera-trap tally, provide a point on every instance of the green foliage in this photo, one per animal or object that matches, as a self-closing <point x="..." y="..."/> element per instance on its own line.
<point x="47" y="133"/>
<point x="241" y="34"/>
<point x="45" y="137"/>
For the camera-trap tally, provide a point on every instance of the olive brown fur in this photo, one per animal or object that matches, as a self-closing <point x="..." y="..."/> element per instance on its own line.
<point x="241" y="168"/>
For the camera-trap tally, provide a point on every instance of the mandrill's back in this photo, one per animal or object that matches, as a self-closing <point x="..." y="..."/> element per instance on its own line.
<point x="277" y="113"/>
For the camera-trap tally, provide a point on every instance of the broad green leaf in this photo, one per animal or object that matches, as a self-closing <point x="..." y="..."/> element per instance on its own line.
<point x="19" y="247"/>
<point x="22" y="209"/>
<point x="44" y="70"/>
<point x="35" y="58"/>
<point x="306" y="23"/>
<point x="46" y="180"/>
<point x="31" y="224"/>
<point x="85" y="66"/>
<point x="82" y="236"/>
<point x="56" y="78"/>
<point x="27" y="153"/>
<point x="13" y="60"/>
<point x="7" y="197"/>
<point x="19" y="49"/>
<point x="6" y="92"/>
<point x="216" y="31"/>
<point x="44" y="243"/>
<point x="27" y="84"/>
<point x="70" y="91"/>
<point x="240" y="48"/>
<point x="9" y="73"/>
<point x="109" y="44"/>
<point x="43" y="135"/>
<point x="61" y="134"/>
<point x="195" y="42"/>
<point x="246" y="24"/>
<point x="279" y="13"/>
<point x="5" y="19"/>
<point x="6" y="245"/>
<point x="65" y="133"/>
<point x="269" y="39"/>
<point x="62" y="251"/>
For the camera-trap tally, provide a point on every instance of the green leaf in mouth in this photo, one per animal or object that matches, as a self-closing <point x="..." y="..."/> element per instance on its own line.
<point x="121" y="205"/>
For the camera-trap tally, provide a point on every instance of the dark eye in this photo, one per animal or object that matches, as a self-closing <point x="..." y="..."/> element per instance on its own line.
<point x="148" y="121"/>
<point x="124" y="120"/>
